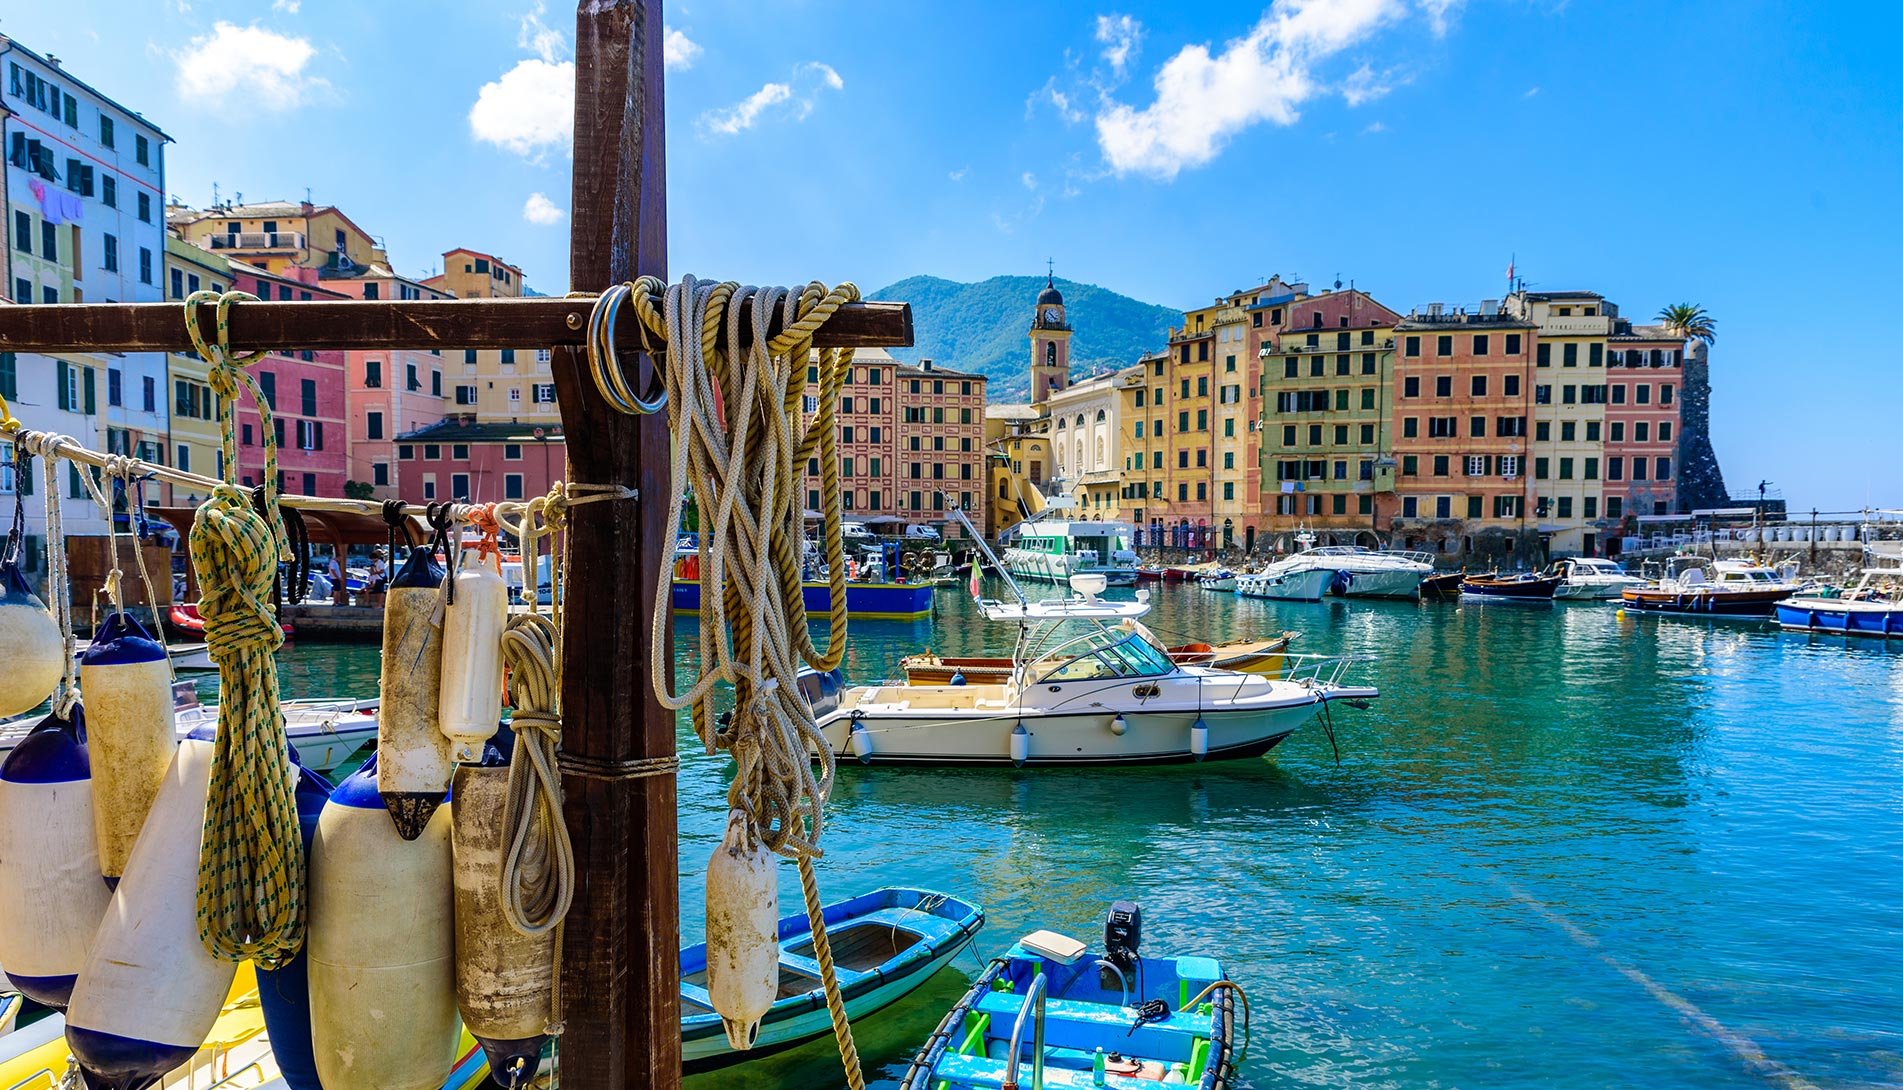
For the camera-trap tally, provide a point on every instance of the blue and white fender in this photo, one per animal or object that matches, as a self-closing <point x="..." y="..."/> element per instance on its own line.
<point x="150" y="991"/>
<point x="51" y="895"/>
<point x="129" y="732"/>
<point x="30" y="645"/>
<point x="284" y="994"/>
<point x="381" y="945"/>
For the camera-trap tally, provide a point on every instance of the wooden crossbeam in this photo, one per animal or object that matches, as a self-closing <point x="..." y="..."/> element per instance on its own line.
<point x="371" y="325"/>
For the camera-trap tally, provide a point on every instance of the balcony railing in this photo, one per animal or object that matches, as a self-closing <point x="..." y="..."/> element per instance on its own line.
<point x="259" y="240"/>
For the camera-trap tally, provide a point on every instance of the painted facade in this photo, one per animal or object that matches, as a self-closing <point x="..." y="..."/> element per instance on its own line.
<point x="195" y="428"/>
<point x="463" y="460"/>
<point x="509" y="384"/>
<point x="280" y="236"/>
<point x="1086" y="435"/>
<point x="306" y="391"/>
<point x="1569" y="415"/>
<point x="389" y="392"/>
<point x="1645" y="383"/>
<point x="941" y="444"/>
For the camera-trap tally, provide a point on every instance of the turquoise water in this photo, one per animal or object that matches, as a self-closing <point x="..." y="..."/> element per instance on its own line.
<point x="1564" y="849"/>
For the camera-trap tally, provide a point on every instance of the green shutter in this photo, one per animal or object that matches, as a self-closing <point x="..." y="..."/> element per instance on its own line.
<point x="9" y="376"/>
<point x="92" y="405"/>
<point x="65" y="393"/>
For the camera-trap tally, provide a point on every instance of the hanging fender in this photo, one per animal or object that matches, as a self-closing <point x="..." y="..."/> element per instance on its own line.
<point x="30" y="641"/>
<point x="129" y="725"/>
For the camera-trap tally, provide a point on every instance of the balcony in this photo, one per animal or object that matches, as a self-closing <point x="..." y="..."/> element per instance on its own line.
<point x="259" y="240"/>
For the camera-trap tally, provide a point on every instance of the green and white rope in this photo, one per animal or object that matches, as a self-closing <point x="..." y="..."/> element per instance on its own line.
<point x="251" y="855"/>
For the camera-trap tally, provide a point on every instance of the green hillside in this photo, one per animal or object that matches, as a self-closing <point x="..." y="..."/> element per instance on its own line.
<point x="985" y="327"/>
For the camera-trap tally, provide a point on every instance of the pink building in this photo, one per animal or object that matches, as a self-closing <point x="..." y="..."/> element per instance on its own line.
<point x="459" y="459"/>
<point x="941" y="435"/>
<point x="390" y="392"/>
<point x="306" y="391"/>
<point x="868" y="439"/>
<point x="1644" y="377"/>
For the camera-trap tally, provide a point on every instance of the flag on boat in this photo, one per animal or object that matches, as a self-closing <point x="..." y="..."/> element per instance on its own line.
<point x="974" y="580"/>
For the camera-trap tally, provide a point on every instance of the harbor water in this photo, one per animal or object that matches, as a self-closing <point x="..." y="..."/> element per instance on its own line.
<point x="1566" y="848"/>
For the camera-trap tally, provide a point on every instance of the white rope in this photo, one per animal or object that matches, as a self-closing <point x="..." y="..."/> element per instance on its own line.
<point x="58" y="589"/>
<point x="120" y="468"/>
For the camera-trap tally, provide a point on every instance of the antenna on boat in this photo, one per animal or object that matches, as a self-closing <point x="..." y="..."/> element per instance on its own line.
<point x="978" y="539"/>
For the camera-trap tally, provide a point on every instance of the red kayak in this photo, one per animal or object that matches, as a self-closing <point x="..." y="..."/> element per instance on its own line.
<point x="187" y="621"/>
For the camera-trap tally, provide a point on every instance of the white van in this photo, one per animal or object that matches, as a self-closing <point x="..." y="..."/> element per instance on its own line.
<point x="918" y="532"/>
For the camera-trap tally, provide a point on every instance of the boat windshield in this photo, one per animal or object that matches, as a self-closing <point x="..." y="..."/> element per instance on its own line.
<point x="1103" y="655"/>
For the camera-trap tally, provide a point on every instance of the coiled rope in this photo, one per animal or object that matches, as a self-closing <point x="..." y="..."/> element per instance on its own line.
<point x="738" y="446"/>
<point x="251" y="862"/>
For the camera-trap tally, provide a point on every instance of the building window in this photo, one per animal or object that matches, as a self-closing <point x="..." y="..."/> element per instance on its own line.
<point x="1478" y="387"/>
<point x="380" y="474"/>
<point x="373" y="425"/>
<point x="459" y="486"/>
<point x="1440" y="465"/>
<point x="1443" y="385"/>
<point x="145" y="263"/>
<point x="141" y="151"/>
<point x="109" y="258"/>
<point x="1411" y="386"/>
<point x="1565" y="469"/>
<point x="512" y="486"/>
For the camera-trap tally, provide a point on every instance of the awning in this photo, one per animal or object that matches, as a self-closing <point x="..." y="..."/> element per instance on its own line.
<point x="326" y="527"/>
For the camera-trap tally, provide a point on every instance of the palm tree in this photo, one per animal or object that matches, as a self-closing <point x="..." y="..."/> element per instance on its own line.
<point x="1689" y="321"/>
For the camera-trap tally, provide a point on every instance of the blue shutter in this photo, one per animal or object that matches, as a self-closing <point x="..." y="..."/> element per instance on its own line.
<point x="65" y="395"/>
<point x="92" y="404"/>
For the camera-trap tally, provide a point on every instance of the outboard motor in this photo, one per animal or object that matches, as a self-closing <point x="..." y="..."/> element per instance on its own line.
<point x="1122" y="934"/>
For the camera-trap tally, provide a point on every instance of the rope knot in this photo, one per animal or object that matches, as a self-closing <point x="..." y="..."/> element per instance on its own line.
<point x="236" y="554"/>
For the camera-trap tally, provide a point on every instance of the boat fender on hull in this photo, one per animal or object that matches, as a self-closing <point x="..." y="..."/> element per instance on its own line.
<point x="48" y="857"/>
<point x="129" y="732"/>
<point x="1020" y="745"/>
<point x="1199" y="739"/>
<point x="148" y="946"/>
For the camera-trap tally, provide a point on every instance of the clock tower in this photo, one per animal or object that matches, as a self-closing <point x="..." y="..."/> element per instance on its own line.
<point x="1050" y="344"/>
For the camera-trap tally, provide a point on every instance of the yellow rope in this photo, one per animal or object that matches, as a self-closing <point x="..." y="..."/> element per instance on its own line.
<point x="251" y="864"/>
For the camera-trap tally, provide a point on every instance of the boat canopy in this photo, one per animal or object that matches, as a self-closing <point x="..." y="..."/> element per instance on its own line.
<point x="1063" y="609"/>
<point x="1104" y="655"/>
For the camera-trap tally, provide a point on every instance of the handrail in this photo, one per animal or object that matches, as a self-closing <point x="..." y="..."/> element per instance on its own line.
<point x="254" y="1065"/>
<point x="1034" y="996"/>
<point x="44" y="1072"/>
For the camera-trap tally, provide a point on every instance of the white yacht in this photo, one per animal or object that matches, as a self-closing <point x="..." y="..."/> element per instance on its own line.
<point x="1359" y="572"/>
<point x="1052" y="552"/>
<point x="1289" y="585"/>
<point x="1585" y="577"/>
<point x="1108" y="695"/>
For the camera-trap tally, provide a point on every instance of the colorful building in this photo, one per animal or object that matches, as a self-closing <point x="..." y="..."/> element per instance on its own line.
<point x="868" y="437"/>
<point x="1645" y="383"/>
<point x="390" y="392"/>
<point x="1017" y="460"/>
<point x="1462" y="395"/>
<point x="280" y="236"/>
<point x="941" y="444"/>
<point x="1086" y="435"/>
<point x="1326" y="388"/>
<point x="1569" y="414"/>
<point x="194" y="426"/>
<point x="458" y="459"/>
<point x="305" y="389"/>
<point x="516" y="385"/>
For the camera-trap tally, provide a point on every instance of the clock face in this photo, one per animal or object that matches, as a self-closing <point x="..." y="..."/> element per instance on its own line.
<point x="1050" y="314"/>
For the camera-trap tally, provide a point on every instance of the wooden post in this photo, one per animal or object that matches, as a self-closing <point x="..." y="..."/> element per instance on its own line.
<point x="621" y="972"/>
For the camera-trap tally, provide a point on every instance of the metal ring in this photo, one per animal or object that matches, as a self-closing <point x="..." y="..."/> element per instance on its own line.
<point x="605" y="363"/>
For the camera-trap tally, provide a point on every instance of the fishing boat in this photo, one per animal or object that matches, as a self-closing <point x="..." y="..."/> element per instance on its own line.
<point x="884" y="945"/>
<point x="1052" y="1013"/>
<point x="1147" y="574"/>
<point x="1441" y="586"/>
<point x="1734" y="588"/>
<point x="1589" y="577"/>
<point x="1052" y="552"/>
<point x="1220" y="579"/>
<point x="1519" y="587"/>
<point x="1874" y="607"/>
<point x="1110" y="695"/>
<point x="1288" y="585"/>
<point x="326" y="732"/>
<point x="1244" y="656"/>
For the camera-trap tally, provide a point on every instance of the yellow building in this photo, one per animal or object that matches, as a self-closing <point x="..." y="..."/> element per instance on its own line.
<point x="1569" y="414"/>
<point x="1086" y="434"/>
<point x="280" y="235"/>
<point x="1018" y="453"/>
<point x="494" y="385"/>
<point x="194" y="427"/>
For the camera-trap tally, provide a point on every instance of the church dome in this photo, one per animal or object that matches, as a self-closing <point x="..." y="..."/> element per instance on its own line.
<point x="1050" y="296"/>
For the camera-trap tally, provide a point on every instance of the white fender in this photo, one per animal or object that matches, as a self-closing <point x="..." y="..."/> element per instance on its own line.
<point x="30" y="645"/>
<point x="1119" y="726"/>
<point x="48" y="857"/>
<point x="150" y="992"/>
<point x="1199" y="739"/>
<point x="743" y="917"/>
<point x="129" y="731"/>
<point x="860" y="740"/>
<point x="471" y="704"/>
<point x="381" y="946"/>
<point x="413" y="764"/>
<point x="1020" y="745"/>
<point x="504" y="979"/>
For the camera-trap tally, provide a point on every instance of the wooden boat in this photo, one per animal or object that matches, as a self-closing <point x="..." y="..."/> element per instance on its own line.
<point x="866" y="601"/>
<point x="1735" y="588"/>
<point x="1523" y="587"/>
<point x="884" y="944"/>
<point x="1051" y="1013"/>
<point x="1442" y="586"/>
<point x="1149" y="575"/>
<point x="1874" y="607"/>
<point x="1242" y="656"/>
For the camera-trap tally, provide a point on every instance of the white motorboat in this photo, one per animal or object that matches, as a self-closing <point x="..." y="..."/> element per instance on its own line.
<point x="186" y="657"/>
<point x="1362" y="573"/>
<point x="1220" y="579"/>
<point x="1109" y="695"/>
<point x="1290" y="585"/>
<point x="1584" y="577"/>
<point x="1052" y="552"/>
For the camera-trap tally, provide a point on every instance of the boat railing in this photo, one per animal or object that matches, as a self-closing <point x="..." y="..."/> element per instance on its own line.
<point x="1033" y="1006"/>
<point x="32" y="1082"/>
<point x="1320" y="671"/>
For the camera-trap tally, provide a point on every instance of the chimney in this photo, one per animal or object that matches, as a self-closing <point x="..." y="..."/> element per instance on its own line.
<point x="52" y="61"/>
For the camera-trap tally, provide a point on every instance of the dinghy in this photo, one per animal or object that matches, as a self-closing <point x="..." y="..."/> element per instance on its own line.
<point x="1050" y="1014"/>
<point x="326" y="732"/>
<point x="884" y="943"/>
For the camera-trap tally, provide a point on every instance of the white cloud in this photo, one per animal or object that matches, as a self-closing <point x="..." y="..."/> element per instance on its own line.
<point x="959" y="174"/>
<point x="288" y="7"/>
<point x="1059" y="100"/>
<point x="796" y="98"/>
<point x="529" y="110"/>
<point x="680" y="50"/>
<point x="1438" y="13"/>
<point x="540" y="210"/>
<point x="1203" y="100"/>
<point x="1530" y="92"/>
<point x="1363" y="86"/>
<point x="1374" y="127"/>
<point x="1120" y="35"/>
<point x="1029" y="179"/>
<point x="248" y="65"/>
<point x="539" y="38"/>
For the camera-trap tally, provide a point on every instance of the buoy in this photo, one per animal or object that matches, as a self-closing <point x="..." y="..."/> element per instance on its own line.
<point x="861" y="741"/>
<point x="284" y="993"/>
<point x="471" y="703"/>
<point x="128" y="687"/>
<point x="505" y="980"/>
<point x="1020" y="745"/>
<point x="30" y="643"/>
<point x="150" y="992"/>
<point x="1199" y="739"/>
<point x="381" y="945"/>
<point x="51" y="895"/>
<point x="413" y="765"/>
<point x="958" y="677"/>
<point x="1118" y="725"/>
<point x="743" y="913"/>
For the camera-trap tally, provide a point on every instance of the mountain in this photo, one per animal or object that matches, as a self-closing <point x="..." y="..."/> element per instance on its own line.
<point x="985" y="327"/>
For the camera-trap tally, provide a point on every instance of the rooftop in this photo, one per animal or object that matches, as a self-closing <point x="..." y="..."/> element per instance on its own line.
<point x="456" y="430"/>
<point x="12" y="45"/>
<point x="1545" y="296"/>
<point x="929" y="369"/>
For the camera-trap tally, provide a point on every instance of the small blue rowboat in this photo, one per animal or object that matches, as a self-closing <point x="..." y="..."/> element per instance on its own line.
<point x="885" y="943"/>
<point x="1049" y="1015"/>
<point x="865" y="601"/>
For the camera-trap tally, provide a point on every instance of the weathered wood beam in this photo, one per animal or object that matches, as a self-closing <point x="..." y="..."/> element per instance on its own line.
<point x="328" y="325"/>
<point x="621" y="960"/>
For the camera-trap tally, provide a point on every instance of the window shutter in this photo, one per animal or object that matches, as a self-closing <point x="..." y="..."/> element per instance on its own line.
<point x="65" y="393"/>
<point x="92" y="405"/>
<point x="317" y="435"/>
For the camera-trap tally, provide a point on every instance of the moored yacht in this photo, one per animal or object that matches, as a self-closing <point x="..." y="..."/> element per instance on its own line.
<point x="1360" y="572"/>
<point x="1052" y="552"/>
<point x="1583" y="577"/>
<point x="1733" y="588"/>
<point x="1874" y="607"/>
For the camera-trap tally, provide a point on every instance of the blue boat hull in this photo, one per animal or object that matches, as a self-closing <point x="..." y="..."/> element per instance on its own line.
<point x="871" y="601"/>
<point x="1810" y="617"/>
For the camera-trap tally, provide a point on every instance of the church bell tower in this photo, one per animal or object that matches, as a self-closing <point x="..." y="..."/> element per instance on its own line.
<point x="1050" y="344"/>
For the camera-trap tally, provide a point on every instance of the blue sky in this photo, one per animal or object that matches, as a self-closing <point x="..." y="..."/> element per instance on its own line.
<point x="1741" y="155"/>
